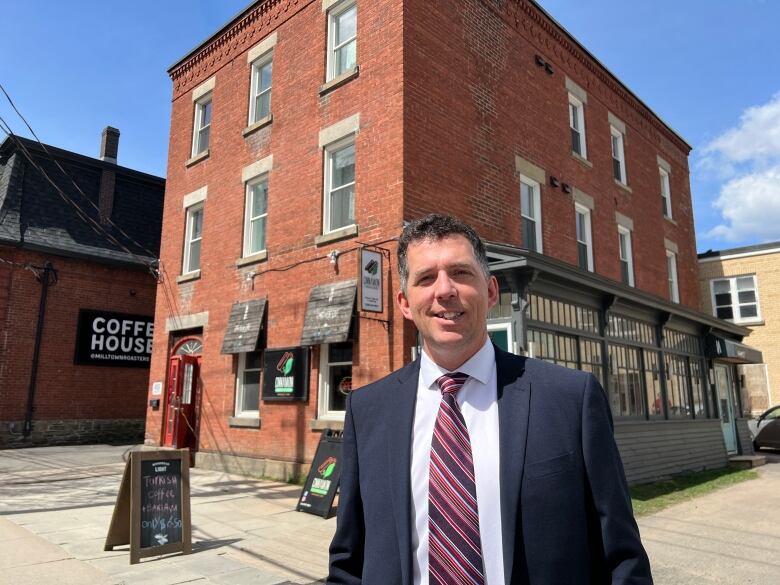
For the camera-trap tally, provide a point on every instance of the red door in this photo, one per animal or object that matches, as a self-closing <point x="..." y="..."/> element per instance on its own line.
<point x="180" y="403"/>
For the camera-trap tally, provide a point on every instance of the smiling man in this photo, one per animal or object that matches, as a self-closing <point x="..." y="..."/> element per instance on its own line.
<point x="472" y="465"/>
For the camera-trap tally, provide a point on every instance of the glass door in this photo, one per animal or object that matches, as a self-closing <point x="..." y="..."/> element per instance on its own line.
<point x="723" y="383"/>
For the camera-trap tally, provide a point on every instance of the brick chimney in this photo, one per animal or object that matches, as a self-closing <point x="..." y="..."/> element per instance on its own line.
<point x="109" y="145"/>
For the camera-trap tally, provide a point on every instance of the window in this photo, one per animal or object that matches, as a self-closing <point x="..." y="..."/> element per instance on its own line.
<point x="626" y="395"/>
<point x="666" y="196"/>
<point x="250" y="373"/>
<point x="260" y="89"/>
<point x="736" y="299"/>
<point x="200" y="139"/>
<point x="342" y="39"/>
<point x="339" y="185"/>
<point x="577" y="126"/>
<point x="192" y="239"/>
<point x="584" y="238"/>
<point x="531" y="214"/>
<point x="626" y="261"/>
<point x="256" y="214"/>
<point x="671" y="268"/>
<point x="335" y="378"/>
<point x="618" y="156"/>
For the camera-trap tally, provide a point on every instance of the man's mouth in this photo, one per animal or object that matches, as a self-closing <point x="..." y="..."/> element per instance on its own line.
<point x="449" y="315"/>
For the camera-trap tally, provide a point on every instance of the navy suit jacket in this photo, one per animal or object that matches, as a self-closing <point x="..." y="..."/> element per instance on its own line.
<point x="566" y="513"/>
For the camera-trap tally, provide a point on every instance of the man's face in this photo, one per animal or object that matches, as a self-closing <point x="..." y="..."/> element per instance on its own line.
<point x="448" y="297"/>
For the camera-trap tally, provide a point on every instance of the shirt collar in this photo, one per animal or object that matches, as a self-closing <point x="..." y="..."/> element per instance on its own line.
<point x="479" y="366"/>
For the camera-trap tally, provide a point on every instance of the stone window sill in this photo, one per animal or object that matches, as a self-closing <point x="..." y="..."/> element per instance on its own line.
<point x="319" y="424"/>
<point x="253" y="259"/>
<point x="197" y="158"/>
<point x="340" y="234"/>
<point x="261" y="123"/>
<point x="345" y="77"/>
<point x="244" y="422"/>
<point x="623" y="186"/>
<point x="194" y="275"/>
<point x="581" y="159"/>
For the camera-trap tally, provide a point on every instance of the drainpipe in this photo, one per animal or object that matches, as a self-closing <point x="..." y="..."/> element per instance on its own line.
<point x="48" y="269"/>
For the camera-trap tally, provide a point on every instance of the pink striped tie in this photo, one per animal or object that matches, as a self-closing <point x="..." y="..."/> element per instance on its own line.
<point x="455" y="549"/>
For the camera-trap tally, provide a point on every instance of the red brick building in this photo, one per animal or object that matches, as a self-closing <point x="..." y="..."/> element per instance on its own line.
<point x="304" y="133"/>
<point x="77" y="237"/>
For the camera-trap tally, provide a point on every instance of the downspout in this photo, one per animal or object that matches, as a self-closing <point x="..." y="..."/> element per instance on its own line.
<point x="44" y="280"/>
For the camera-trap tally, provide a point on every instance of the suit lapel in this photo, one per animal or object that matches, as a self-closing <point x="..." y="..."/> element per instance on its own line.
<point x="400" y="406"/>
<point x="513" y="392"/>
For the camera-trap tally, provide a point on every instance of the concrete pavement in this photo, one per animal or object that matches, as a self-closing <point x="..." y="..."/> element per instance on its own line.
<point x="56" y="504"/>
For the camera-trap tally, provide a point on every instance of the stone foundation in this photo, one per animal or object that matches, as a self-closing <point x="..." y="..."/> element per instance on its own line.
<point x="249" y="466"/>
<point x="72" y="432"/>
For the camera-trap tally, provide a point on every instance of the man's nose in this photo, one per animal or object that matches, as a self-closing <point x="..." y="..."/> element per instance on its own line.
<point x="445" y="287"/>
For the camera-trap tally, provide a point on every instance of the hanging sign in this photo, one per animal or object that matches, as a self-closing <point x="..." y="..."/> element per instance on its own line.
<point x="113" y="339"/>
<point x="371" y="284"/>
<point x="286" y="374"/>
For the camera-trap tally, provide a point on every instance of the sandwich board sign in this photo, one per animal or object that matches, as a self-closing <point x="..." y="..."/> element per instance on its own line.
<point x="322" y="482"/>
<point x="152" y="511"/>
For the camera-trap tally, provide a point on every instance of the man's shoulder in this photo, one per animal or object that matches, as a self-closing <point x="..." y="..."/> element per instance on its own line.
<point x="391" y="380"/>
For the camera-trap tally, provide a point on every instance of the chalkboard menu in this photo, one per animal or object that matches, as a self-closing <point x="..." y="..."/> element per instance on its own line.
<point x="152" y="512"/>
<point x="323" y="479"/>
<point x="161" y="521"/>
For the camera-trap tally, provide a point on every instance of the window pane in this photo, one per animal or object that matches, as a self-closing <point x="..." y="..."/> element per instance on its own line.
<point x="342" y="208"/>
<point x="748" y="311"/>
<point x="581" y="226"/>
<point x="745" y="283"/>
<point x="576" y="141"/>
<point x="262" y="105"/>
<point x="725" y="313"/>
<point x="259" y="198"/>
<point x="527" y="200"/>
<point x="250" y="395"/>
<point x="194" y="263"/>
<point x="722" y="300"/>
<point x="346" y="57"/>
<point x="721" y="286"/>
<point x="343" y="166"/>
<point x="748" y="296"/>
<point x="346" y="25"/>
<point x="529" y="234"/>
<point x="615" y="147"/>
<point x="340" y="352"/>
<point x="254" y="360"/>
<point x="265" y="76"/>
<point x="582" y="255"/>
<point x="340" y="383"/>
<point x="203" y="139"/>
<point x="205" y="114"/>
<point x="257" y="242"/>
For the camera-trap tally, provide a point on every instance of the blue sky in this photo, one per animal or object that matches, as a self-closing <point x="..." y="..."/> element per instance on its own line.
<point x="709" y="68"/>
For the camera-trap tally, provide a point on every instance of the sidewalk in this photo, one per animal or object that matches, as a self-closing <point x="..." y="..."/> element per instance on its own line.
<point x="56" y="504"/>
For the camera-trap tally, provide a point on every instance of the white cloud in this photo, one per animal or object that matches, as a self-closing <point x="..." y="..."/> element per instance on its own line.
<point x="747" y="157"/>
<point x="750" y="207"/>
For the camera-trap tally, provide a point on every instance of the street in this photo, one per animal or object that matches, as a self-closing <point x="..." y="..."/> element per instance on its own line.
<point x="56" y="504"/>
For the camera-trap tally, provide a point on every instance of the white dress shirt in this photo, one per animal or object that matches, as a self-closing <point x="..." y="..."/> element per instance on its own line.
<point x="477" y="400"/>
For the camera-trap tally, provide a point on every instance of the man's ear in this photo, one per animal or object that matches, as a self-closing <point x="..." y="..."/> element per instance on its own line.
<point x="492" y="291"/>
<point x="403" y="304"/>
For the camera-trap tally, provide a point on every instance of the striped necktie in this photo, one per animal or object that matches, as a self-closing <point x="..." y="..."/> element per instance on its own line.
<point x="454" y="545"/>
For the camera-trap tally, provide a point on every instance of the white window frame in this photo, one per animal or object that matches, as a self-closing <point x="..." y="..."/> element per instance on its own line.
<point x="666" y="192"/>
<point x="735" y="304"/>
<point x="536" y="192"/>
<point x="197" y="128"/>
<point x="188" y="239"/>
<point x="330" y="150"/>
<point x="621" y="154"/>
<point x="582" y="210"/>
<point x="323" y="399"/>
<point x="254" y="86"/>
<point x="240" y="388"/>
<point x="671" y="268"/>
<point x="334" y="12"/>
<point x="625" y="232"/>
<point x="249" y="217"/>
<point x="577" y="115"/>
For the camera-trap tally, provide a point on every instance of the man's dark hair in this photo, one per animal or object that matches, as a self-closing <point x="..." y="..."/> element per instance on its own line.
<point x="434" y="227"/>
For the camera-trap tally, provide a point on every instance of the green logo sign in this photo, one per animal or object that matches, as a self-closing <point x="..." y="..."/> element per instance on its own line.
<point x="285" y="383"/>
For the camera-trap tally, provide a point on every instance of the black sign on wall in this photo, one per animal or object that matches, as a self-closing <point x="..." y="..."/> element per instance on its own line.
<point x="286" y="374"/>
<point x="114" y="339"/>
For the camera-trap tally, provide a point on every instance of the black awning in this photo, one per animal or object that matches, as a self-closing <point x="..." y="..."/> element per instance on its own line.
<point x="329" y="313"/>
<point x="728" y="350"/>
<point x="243" y="329"/>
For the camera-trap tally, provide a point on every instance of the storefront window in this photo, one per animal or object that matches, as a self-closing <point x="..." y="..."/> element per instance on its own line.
<point x="554" y="347"/>
<point x="250" y="370"/>
<point x="562" y="313"/>
<point x="655" y="405"/>
<point x="698" y="388"/>
<point x="591" y="359"/>
<point x="677" y="382"/>
<point x="335" y="378"/>
<point x="625" y="381"/>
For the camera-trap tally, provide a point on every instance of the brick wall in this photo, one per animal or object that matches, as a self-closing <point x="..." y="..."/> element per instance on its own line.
<point x="64" y="391"/>
<point x="764" y="336"/>
<point x="295" y="263"/>
<point x="475" y="97"/>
